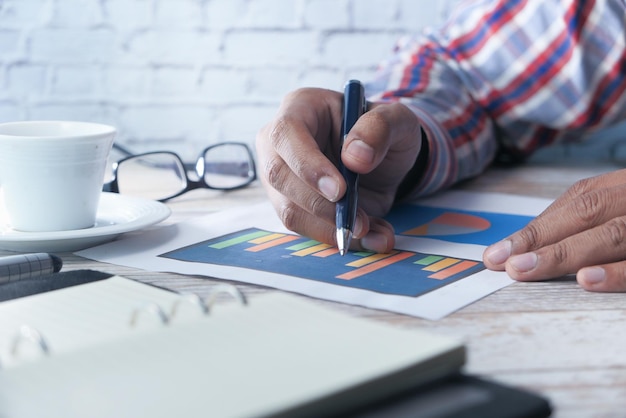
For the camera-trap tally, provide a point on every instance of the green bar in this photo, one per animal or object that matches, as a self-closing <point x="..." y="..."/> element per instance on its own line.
<point x="363" y="253"/>
<point x="303" y="245"/>
<point x="238" y="240"/>
<point x="426" y="261"/>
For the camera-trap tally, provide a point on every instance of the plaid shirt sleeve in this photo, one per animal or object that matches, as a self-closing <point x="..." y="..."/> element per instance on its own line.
<point x="504" y="77"/>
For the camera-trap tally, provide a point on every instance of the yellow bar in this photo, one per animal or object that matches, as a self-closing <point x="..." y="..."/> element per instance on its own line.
<point x="311" y="250"/>
<point x="266" y="238"/>
<point x="370" y="259"/>
<point x="440" y="265"/>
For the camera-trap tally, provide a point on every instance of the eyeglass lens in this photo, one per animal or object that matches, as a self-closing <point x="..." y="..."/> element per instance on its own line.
<point x="226" y="166"/>
<point x="162" y="175"/>
<point x="154" y="176"/>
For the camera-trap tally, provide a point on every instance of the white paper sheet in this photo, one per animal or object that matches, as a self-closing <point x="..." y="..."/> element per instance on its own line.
<point x="146" y="250"/>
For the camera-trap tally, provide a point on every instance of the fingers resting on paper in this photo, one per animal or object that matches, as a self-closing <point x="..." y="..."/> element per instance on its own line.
<point x="298" y="153"/>
<point x="583" y="232"/>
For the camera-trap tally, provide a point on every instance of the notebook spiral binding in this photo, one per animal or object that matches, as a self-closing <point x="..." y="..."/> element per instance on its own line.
<point x="203" y="305"/>
<point x="28" y="334"/>
<point x="31" y="335"/>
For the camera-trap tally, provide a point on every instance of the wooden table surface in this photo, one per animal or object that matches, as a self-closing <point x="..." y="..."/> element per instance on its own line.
<point x="550" y="337"/>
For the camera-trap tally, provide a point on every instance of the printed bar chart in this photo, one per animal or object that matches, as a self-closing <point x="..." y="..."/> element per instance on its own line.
<point x="405" y="273"/>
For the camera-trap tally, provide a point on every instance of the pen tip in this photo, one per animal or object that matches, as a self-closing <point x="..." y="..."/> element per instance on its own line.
<point x="344" y="236"/>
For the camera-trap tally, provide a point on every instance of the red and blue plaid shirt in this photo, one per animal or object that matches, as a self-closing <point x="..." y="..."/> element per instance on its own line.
<point x="507" y="77"/>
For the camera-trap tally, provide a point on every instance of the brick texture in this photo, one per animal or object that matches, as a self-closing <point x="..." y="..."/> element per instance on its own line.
<point x="182" y="74"/>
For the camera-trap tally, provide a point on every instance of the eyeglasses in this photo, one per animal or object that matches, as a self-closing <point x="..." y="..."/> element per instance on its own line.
<point x="162" y="175"/>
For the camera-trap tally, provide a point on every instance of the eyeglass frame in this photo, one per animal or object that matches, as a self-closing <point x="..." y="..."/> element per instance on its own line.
<point x="191" y="184"/>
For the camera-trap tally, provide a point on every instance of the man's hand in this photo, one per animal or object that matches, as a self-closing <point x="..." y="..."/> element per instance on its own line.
<point x="298" y="153"/>
<point x="582" y="232"/>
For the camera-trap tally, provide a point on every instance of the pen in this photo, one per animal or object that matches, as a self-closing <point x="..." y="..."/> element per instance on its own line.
<point x="26" y="266"/>
<point x="345" y="212"/>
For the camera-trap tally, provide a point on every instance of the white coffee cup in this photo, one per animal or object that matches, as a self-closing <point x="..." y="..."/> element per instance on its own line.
<point x="51" y="173"/>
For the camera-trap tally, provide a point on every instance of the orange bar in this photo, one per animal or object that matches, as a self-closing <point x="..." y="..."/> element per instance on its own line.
<point x="451" y="271"/>
<point x="370" y="259"/>
<point x="274" y="243"/>
<point x="326" y="253"/>
<point x="375" y="266"/>
<point x="311" y="250"/>
<point x="266" y="238"/>
<point x="440" y="265"/>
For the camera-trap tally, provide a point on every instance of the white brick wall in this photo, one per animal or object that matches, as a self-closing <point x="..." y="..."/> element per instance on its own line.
<point x="181" y="74"/>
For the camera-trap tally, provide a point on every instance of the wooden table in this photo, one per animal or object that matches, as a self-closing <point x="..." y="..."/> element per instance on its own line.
<point x="550" y="337"/>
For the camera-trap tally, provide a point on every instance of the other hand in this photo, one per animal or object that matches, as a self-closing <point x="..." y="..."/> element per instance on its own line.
<point x="298" y="153"/>
<point x="582" y="232"/>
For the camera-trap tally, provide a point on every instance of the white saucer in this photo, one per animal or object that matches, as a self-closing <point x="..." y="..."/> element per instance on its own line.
<point x="117" y="214"/>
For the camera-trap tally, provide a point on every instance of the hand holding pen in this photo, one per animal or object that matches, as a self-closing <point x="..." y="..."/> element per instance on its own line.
<point x="299" y="165"/>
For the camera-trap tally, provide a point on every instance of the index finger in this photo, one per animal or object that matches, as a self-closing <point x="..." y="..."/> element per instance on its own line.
<point x="304" y="136"/>
<point x="581" y="213"/>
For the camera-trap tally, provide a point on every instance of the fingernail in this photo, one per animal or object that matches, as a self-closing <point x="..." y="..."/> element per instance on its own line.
<point x="523" y="262"/>
<point x="359" y="150"/>
<point x="374" y="241"/>
<point x="499" y="252"/>
<point x="328" y="188"/>
<point x="591" y="275"/>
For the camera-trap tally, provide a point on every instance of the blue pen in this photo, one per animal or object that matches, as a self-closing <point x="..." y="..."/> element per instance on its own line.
<point x="354" y="106"/>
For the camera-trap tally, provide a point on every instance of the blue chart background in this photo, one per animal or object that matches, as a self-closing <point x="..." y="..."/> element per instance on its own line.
<point x="405" y="217"/>
<point x="401" y="278"/>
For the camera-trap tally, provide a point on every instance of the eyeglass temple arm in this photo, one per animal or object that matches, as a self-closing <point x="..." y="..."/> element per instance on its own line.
<point x="110" y="187"/>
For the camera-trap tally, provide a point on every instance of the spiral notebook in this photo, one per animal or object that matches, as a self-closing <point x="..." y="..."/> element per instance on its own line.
<point x="117" y="347"/>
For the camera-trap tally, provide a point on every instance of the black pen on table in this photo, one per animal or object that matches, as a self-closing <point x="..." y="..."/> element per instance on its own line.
<point x="354" y="105"/>
<point x="27" y="266"/>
